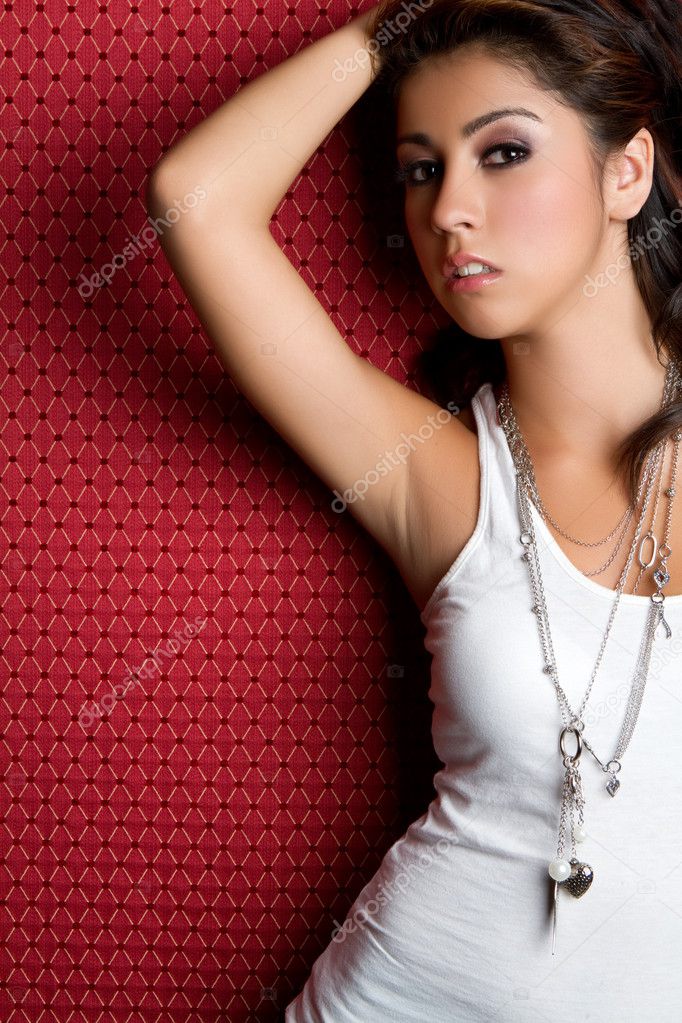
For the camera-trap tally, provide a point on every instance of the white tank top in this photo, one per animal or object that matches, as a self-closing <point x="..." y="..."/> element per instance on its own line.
<point x="455" y="926"/>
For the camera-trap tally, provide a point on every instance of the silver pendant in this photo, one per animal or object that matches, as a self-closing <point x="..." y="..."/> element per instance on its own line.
<point x="613" y="767"/>
<point x="668" y="630"/>
<point x="661" y="578"/>
<point x="579" y="880"/>
<point x="613" y="785"/>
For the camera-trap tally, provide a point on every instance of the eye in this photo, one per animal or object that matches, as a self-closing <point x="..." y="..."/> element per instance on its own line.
<point x="403" y="173"/>
<point x="508" y="147"/>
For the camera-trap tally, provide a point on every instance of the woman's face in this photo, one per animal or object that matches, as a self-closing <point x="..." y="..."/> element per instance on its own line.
<point x="531" y="209"/>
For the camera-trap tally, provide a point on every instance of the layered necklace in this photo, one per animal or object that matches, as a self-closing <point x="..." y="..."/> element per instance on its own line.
<point x="573" y="875"/>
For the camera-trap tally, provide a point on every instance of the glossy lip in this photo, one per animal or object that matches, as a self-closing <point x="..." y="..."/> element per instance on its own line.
<point x="455" y="260"/>
<point x="472" y="283"/>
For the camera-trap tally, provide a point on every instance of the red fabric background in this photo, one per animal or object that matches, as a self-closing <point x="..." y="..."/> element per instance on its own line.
<point x="184" y="856"/>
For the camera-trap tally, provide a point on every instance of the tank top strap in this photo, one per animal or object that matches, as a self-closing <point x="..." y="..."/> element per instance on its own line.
<point x="491" y="552"/>
<point x="498" y="487"/>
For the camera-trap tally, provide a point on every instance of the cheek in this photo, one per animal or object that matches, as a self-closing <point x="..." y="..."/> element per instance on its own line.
<point x="553" y="218"/>
<point x="542" y="220"/>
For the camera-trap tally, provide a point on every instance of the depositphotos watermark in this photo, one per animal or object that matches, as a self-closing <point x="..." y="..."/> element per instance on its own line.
<point x="145" y="671"/>
<point x="385" y="892"/>
<point x="139" y="242"/>
<point x="400" y="455"/>
<point x="361" y="57"/>
<point x="635" y="250"/>
<point x="665" y="650"/>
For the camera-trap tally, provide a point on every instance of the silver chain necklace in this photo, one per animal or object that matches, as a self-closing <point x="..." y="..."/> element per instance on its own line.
<point x="624" y="520"/>
<point x="574" y="875"/>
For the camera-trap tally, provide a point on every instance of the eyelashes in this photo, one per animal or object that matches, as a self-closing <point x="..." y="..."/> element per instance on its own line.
<point x="402" y="174"/>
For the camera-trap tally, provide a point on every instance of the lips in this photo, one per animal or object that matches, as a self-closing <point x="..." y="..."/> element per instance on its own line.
<point x="456" y="260"/>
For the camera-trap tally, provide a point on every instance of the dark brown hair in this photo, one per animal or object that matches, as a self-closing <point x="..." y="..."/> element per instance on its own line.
<point x="618" y="64"/>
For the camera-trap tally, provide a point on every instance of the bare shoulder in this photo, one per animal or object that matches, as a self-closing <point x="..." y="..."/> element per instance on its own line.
<point x="442" y="505"/>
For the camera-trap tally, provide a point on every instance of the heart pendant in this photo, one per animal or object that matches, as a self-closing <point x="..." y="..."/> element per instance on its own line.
<point x="579" y="880"/>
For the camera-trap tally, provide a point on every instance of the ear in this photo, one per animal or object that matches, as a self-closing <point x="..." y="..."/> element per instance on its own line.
<point x="631" y="176"/>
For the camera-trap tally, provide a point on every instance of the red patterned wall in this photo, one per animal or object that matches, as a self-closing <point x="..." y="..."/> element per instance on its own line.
<point x="213" y="689"/>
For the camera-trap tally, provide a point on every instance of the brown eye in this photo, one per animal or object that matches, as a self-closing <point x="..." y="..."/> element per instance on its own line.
<point x="403" y="175"/>
<point x="508" y="147"/>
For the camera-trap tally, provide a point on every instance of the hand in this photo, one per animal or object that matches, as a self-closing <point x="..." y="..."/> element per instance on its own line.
<point x="372" y="19"/>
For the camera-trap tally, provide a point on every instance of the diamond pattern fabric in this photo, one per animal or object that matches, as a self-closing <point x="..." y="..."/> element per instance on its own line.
<point x="213" y="697"/>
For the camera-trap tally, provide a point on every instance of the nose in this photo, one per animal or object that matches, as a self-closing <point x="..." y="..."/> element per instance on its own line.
<point x="457" y="204"/>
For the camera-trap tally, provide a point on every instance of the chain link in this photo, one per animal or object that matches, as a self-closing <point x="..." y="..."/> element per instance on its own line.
<point x="526" y="482"/>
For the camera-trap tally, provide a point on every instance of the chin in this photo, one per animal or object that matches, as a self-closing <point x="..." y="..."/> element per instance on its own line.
<point x="482" y="337"/>
<point x="477" y="327"/>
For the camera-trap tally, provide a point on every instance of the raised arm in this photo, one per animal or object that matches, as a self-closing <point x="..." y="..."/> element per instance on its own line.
<point x="249" y="150"/>
<point x="344" y="417"/>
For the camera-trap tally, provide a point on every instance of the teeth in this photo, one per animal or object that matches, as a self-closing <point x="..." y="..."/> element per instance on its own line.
<point x="473" y="268"/>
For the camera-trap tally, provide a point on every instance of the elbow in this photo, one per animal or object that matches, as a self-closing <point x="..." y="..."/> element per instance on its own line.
<point x="171" y="202"/>
<point x="178" y="193"/>
<point x="158" y="188"/>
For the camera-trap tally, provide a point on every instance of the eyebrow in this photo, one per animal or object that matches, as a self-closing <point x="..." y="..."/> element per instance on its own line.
<point x="472" y="127"/>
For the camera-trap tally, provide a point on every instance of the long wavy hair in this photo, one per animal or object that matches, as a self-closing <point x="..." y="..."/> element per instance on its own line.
<point x="618" y="64"/>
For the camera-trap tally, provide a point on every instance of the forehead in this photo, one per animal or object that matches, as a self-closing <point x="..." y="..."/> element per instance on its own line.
<point x="449" y="89"/>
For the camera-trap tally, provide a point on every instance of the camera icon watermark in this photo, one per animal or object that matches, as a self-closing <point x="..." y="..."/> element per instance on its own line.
<point x="16" y="778"/>
<point x="14" y="351"/>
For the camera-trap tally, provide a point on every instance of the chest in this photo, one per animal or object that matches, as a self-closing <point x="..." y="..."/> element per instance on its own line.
<point x="592" y="506"/>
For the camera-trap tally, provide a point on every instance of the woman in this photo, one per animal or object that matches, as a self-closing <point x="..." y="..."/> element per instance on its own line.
<point x="539" y="144"/>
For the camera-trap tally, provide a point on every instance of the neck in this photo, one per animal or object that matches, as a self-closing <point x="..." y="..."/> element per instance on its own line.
<point x="578" y="405"/>
<point x="587" y="374"/>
